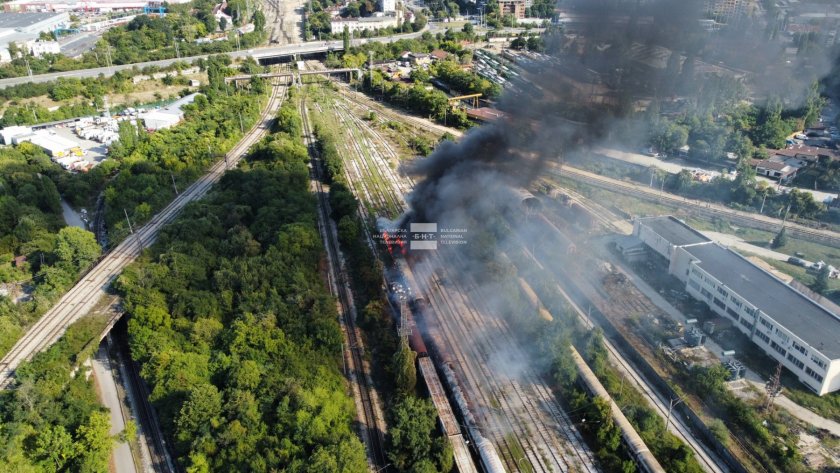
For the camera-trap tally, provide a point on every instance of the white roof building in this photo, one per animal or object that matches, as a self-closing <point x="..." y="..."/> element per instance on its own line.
<point x="338" y="24"/>
<point x="786" y="324"/>
<point x="166" y="117"/>
<point x="10" y="132"/>
<point x="55" y="146"/>
<point x="38" y="48"/>
<point x="23" y="27"/>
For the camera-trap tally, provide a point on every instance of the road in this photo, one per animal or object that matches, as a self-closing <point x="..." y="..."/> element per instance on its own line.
<point x="676" y="165"/>
<point x="700" y="208"/>
<point x="258" y="53"/>
<point x="78" y="44"/>
<point x="121" y="457"/>
<point x="93" y="285"/>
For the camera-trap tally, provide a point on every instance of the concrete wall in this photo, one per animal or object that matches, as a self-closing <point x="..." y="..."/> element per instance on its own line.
<point x="652" y="239"/>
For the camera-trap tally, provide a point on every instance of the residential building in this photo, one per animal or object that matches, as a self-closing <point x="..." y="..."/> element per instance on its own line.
<point x="724" y="11"/>
<point x="807" y="153"/>
<point x="790" y="327"/>
<point x="513" y="7"/>
<point x="775" y="169"/>
<point x="388" y="6"/>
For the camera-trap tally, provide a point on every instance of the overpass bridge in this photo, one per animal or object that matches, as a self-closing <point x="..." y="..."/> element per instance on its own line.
<point x="296" y="76"/>
<point x="264" y="55"/>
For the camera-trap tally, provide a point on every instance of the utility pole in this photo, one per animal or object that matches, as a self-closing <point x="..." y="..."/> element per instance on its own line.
<point x="173" y="183"/>
<point x="130" y="230"/>
<point x="241" y="126"/>
<point x="761" y="210"/>
<point x="671" y="405"/>
<point x="773" y="387"/>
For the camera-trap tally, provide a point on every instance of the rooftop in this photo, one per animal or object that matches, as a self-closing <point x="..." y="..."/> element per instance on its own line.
<point x="674" y="230"/>
<point x="768" y="164"/>
<point x="810" y="321"/>
<point x="804" y="150"/>
<point x="23" y="20"/>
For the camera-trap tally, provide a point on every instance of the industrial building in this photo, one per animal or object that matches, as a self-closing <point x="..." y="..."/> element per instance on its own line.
<point x="75" y="5"/>
<point x="166" y="117"/>
<point x="8" y="134"/>
<point x="391" y="20"/>
<point x="803" y="335"/>
<point x="38" y="48"/>
<point x="55" y="146"/>
<point x="22" y="28"/>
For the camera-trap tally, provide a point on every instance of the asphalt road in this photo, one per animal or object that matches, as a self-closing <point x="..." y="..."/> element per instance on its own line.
<point x="80" y="43"/>
<point x="258" y="53"/>
<point x="121" y="456"/>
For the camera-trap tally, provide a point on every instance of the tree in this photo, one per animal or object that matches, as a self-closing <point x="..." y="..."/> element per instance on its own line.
<point x="535" y="43"/>
<point x="77" y="247"/>
<point x="94" y="444"/>
<point x="468" y="29"/>
<point x="405" y="373"/>
<point x="259" y="21"/>
<point x="780" y="239"/>
<point x="820" y="285"/>
<point x="53" y="443"/>
<point x="410" y="435"/>
<point x="345" y="38"/>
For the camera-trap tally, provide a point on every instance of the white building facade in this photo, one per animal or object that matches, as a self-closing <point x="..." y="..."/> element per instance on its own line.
<point x="38" y="48"/>
<point x="785" y="324"/>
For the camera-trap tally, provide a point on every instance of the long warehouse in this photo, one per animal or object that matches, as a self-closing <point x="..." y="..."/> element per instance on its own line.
<point x="801" y="334"/>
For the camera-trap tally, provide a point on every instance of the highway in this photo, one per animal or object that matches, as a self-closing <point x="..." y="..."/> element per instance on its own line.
<point x="311" y="47"/>
<point x="93" y="285"/>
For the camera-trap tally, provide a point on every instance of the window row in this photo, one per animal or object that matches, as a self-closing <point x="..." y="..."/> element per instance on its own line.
<point x="813" y="374"/>
<point x="796" y="361"/>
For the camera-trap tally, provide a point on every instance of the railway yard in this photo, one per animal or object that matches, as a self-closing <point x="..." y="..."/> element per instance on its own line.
<point x="514" y="409"/>
<point x="497" y="408"/>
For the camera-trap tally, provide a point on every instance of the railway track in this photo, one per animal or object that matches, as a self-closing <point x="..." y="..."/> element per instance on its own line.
<point x="146" y="415"/>
<point x="559" y="417"/>
<point x="366" y="102"/>
<point x="565" y="450"/>
<point x="701" y="209"/>
<point x="367" y="405"/>
<point x="522" y="420"/>
<point x="87" y="291"/>
<point x="578" y="298"/>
